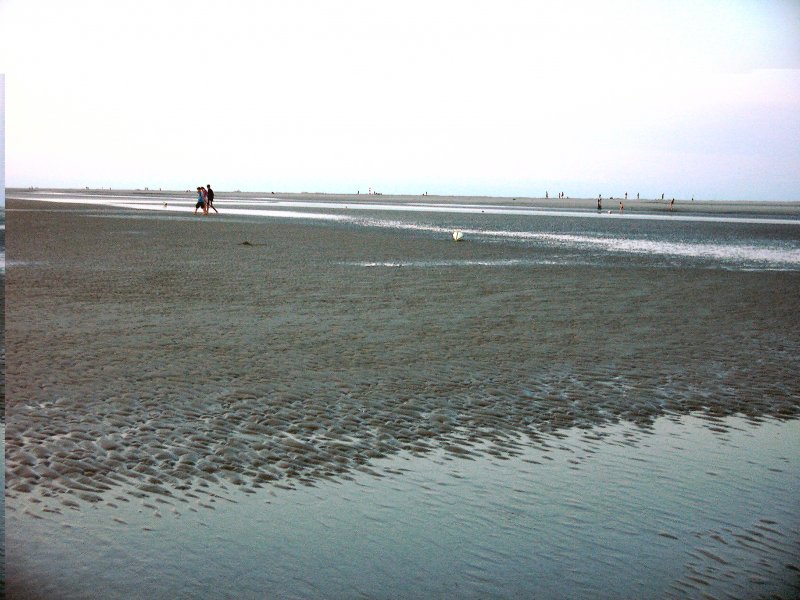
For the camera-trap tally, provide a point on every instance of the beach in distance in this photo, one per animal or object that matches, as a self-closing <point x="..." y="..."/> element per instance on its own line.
<point x="565" y="403"/>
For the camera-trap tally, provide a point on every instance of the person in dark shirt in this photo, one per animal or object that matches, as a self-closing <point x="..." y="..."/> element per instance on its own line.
<point x="210" y="194"/>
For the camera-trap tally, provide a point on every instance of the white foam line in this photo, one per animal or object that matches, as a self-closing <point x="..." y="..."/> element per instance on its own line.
<point x="78" y="199"/>
<point x="453" y="263"/>
<point x="182" y="209"/>
<point x="637" y="246"/>
<point x="725" y="252"/>
<point x="425" y="208"/>
<point x="90" y="200"/>
<point x="523" y="211"/>
<point x="286" y="214"/>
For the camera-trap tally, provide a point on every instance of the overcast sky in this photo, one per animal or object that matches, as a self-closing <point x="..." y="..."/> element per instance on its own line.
<point x="687" y="98"/>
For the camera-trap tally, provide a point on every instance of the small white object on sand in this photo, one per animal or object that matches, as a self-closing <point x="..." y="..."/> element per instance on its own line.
<point x="458" y="235"/>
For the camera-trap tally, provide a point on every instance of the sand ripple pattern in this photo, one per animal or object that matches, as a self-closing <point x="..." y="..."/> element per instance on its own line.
<point x="716" y="558"/>
<point x="167" y="356"/>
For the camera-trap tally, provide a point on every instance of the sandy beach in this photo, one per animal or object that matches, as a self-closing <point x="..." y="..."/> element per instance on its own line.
<point x="159" y="356"/>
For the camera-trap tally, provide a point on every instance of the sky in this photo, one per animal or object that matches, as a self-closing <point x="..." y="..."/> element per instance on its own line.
<point x="689" y="98"/>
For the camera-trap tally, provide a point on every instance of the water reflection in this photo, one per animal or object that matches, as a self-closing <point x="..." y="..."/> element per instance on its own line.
<point x="679" y="512"/>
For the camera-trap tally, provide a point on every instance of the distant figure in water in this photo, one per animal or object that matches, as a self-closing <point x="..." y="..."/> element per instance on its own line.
<point x="201" y="203"/>
<point x="210" y="201"/>
<point x="621" y="206"/>
<point x="626" y="195"/>
<point x="662" y="196"/>
<point x="599" y="204"/>
<point x="671" y="203"/>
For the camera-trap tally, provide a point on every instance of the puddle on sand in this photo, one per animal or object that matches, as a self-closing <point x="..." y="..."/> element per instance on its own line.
<point x="680" y="511"/>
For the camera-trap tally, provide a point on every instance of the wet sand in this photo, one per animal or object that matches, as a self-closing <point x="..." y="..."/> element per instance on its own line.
<point x="167" y="354"/>
<point x="159" y="364"/>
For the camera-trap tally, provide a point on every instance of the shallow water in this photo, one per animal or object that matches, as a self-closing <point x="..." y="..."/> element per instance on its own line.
<point x="678" y="512"/>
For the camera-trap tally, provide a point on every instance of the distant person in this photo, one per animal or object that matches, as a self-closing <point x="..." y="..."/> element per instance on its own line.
<point x="621" y="206"/>
<point x="671" y="203"/>
<point x="210" y="201"/>
<point x="637" y="195"/>
<point x="201" y="203"/>
<point x="626" y="195"/>
<point x="662" y="196"/>
<point x="599" y="204"/>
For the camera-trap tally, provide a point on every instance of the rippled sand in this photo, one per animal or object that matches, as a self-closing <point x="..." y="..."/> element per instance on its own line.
<point x="166" y="355"/>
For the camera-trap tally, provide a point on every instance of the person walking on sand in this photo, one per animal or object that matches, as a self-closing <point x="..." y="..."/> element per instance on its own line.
<point x="205" y="200"/>
<point x="201" y="203"/>
<point x="210" y="201"/>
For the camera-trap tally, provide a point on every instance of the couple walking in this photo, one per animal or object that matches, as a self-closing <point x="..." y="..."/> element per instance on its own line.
<point x="205" y="199"/>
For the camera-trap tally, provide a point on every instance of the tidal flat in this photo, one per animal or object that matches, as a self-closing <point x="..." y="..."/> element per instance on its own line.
<point x="593" y="407"/>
